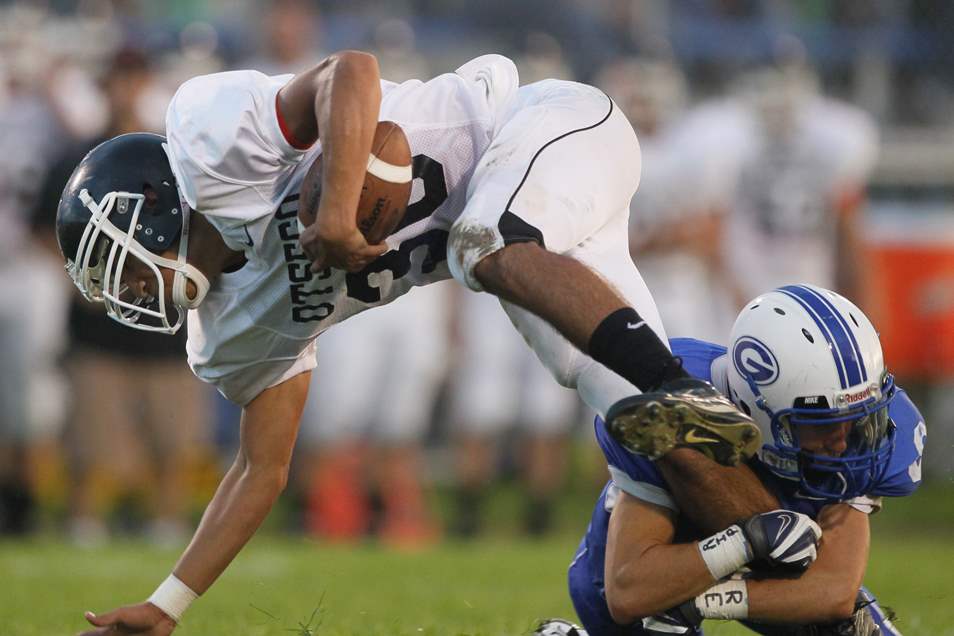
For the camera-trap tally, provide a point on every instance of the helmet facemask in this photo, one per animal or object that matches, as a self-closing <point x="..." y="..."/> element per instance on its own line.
<point x="97" y="268"/>
<point x="863" y="463"/>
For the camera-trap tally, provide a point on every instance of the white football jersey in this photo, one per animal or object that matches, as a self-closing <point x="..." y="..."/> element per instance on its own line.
<point x="780" y="228"/>
<point x="257" y="326"/>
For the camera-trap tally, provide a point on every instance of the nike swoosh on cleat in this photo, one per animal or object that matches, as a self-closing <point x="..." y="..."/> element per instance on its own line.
<point x="692" y="437"/>
<point x="635" y="325"/>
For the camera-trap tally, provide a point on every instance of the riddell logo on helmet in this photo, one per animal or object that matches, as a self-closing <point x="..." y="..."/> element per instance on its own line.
<point x="851" y="398"/>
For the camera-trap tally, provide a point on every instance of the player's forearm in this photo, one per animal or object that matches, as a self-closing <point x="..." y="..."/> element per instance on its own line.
<point x="711" y="495"/>
<point x="347" y="102"/>
<point x="816" y="597"/>
<point x="827" y="590"/>
<point x="240" y="504"/>
<point x="661" y="577"/>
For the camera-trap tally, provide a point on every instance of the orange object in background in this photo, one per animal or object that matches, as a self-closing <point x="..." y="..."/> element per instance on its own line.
<point x="912" y="260"/>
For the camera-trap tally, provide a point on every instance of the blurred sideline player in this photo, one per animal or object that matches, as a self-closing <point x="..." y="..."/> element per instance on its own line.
<point x="32" y="393"/>
<point x="799" y="162"/>
<point x="291" y="36"/>
<point x="496" y="205"/>
<point x="839" y="435"/>
<point x="370" y="403"/>
<point x="121" y="417"/>
<point x="395" y="46"/>
<point x="674" y="226"/>
<point x="497" y="383"/>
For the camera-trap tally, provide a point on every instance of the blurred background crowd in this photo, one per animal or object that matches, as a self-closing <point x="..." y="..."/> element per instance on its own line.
<point x="782" y="141"/>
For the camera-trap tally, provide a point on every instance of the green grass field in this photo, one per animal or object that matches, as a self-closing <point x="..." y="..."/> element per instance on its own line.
<point x="496" y="586"/>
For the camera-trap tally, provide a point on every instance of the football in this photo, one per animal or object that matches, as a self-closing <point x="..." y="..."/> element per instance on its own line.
<point x="386" y="189"/>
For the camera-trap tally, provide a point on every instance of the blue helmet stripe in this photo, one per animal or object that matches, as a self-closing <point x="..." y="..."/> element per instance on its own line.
<point x="796" y="294"/>
<point x="842" y="336"/>
<point x="844" y="323"/>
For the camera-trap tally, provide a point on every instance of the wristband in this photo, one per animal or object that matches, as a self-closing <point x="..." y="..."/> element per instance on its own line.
<point x="727" y="600"/>
<point x="725" y="552"/>
<point x="173" y="597"/>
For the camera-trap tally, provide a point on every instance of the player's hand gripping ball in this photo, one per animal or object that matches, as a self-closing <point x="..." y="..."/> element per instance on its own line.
<point x="386" y="189"/>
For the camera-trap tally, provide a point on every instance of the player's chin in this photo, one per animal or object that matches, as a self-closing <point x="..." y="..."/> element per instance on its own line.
<point x="824" y="452"/>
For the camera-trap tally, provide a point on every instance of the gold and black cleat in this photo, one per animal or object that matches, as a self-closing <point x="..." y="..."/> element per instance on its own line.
<point x="688" y="413"/>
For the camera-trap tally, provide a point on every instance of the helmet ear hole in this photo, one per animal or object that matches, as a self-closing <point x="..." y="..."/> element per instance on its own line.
<point x="152" y="197"/>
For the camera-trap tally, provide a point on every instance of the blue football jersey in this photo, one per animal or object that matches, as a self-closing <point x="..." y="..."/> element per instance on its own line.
<point x="639" y="477"/>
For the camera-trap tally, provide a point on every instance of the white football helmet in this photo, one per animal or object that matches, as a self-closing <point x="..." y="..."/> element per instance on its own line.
<point x="803" y="355"/>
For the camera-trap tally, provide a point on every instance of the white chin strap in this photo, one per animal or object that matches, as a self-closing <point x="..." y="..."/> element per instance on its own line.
<point x="102" y="282"/>
<point x="184" y="272"/>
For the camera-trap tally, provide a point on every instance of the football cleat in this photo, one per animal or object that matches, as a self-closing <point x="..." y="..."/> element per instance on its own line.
<point x="684" y="413"/>
<point x="558" y="627"/>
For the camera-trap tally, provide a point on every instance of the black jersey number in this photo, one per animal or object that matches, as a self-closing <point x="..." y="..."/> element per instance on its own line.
<point x="398" y="261"/>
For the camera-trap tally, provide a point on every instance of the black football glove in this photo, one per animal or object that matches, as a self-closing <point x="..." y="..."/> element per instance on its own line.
<point x="783" y="540"/>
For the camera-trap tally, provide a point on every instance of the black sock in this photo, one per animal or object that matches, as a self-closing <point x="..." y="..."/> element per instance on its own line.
<point x="469" y="509"/>
<point x="625" y="343"/>
<point x="537" y="515"/>
<point x="16" y="509"/>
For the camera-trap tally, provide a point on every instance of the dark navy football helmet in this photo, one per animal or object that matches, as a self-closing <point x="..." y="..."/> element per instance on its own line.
<point x="122" y="202"/>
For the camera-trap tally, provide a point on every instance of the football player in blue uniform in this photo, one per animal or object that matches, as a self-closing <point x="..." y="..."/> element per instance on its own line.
<point x="807" y="365"/>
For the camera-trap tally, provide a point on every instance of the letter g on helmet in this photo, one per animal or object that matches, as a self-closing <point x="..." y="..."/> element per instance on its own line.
<point x="753" y="359"/>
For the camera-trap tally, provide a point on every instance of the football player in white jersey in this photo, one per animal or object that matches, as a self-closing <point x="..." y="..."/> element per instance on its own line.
<point x="519" y="191"/>
<point x="797" y="163"/>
